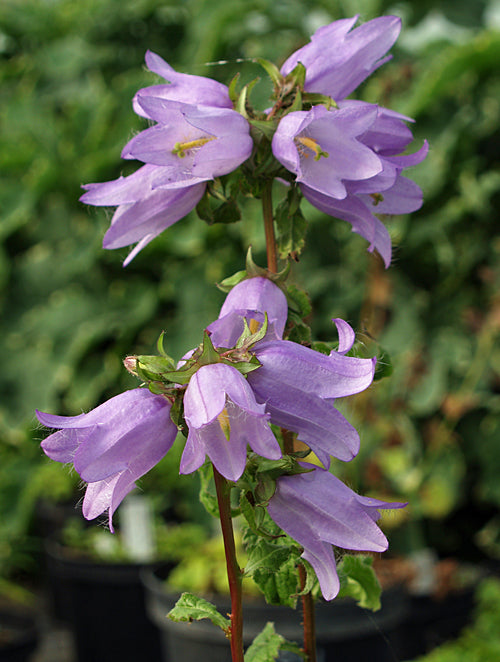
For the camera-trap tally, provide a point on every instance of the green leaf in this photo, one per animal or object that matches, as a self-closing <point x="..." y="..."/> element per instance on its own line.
<point x="190" y="608"/>
<point x="291" y="226"/>
<point x="358" y="581"/>
<point x="266" y="555"/>
<point x="207" y="498"/>
<point x="266" y="645"/>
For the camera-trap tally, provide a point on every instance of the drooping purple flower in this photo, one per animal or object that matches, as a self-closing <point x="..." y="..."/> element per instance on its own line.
<point x="223" y="417"/>
<point x="317" y="510"/>
<point x="192" y="143"/>
<point x="387" y="192"/>
<point x="322" y="147"/>
<point x="185" y="88"/>
<point x="298" y="386"/>
<point x="143" y="212"/>
<point x="250" y="300"/>
<point x="112" y="446"/>
<point x="338" y="59"/>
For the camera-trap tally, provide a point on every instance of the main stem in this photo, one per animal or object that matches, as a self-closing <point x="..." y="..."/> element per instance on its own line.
<point x="309" y="620"/>
<point x="267" y="211"/>
<point x="223" y="489"/>
<point x="272" y="265"/>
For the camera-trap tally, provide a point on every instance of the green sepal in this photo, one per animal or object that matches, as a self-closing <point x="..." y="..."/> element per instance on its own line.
<point x="190" y="608"/>
<point x="254" y="270"/>
<point x="244" y="367"/>
<point x="383" y="367"/>
<point x="359" y="581"/>
<point x="153" y="368"/>
<point x="272" y="71"/>
<point x="159" y="344"/>
<point x="228" y="283"/>
<point x="241" y="104"/>
<point x="297" y="102"/>
<point x="296" y="77"/>
<point x="319" y="99"/>
<point x="247" y="338"/>
<point x="233" y="95"/>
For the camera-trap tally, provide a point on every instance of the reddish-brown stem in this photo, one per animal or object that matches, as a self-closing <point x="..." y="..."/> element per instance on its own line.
<point x="267" y="212"/>
<point x="308" y="618"/>
<point x="223" y="489"/>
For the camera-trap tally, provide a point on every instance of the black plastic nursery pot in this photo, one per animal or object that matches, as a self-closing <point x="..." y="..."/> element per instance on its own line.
<point x="344" y="631"/>
<point x="18" y="635"/>
<point x="105" y="608"/>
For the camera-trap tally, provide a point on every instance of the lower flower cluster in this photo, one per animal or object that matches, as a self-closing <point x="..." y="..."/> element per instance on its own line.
<point x="248" y="379"/>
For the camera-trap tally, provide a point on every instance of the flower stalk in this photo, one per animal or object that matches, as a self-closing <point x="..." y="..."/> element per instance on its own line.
<point x="234" y="574"/>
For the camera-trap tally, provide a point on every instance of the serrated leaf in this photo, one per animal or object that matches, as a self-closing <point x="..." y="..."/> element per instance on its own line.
<point x="358" y="581"/>
<point x="266" y="645"/>
<point x="266" y="555"/>
<point x="298" y="301"/>
<point x="190" y="607"/>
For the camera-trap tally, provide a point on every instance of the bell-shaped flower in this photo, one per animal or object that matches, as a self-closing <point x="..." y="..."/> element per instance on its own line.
<point x="223" y="417"/>
<point x="338" y="59"/>
<point x="192" y="143"/>
<point x="181" y="87"/>
<point x="112" y="446"/>
<point x="387" y="192"/>
<point x="317" y="510"/>
<point x="322" y="147"/>
<point x="250" y="300"/>
<point x="298" y="384"/>
<point x="143" y="212"/>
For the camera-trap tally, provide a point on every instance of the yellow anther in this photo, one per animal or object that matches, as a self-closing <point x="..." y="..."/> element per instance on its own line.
<point x="223" y="419"/>
<point x="253" y="326"/>
<point x="180" y="149"/>
<point x="313" y="146"/>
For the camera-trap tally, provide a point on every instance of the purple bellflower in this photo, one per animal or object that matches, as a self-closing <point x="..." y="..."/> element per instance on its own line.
<point x="322" y="147"/>
<point x="181" y="87"/>
<point x="197" y="137"/>
<point x="112" y="446"/>
<point x="143" y="212"/>
<point x="223" y="417"/>
<point x="298" y="386"/>
<point x="250" y="300"/>
<point x="192" y="143"/>
<point x="317" y="510"/>
<point x="338" y="59"/>
<point x="387" y="192"/>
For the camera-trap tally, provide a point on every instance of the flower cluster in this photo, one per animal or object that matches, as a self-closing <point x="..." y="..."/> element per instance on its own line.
<point x="113" y="445"/>
<point x="345" y="155"/>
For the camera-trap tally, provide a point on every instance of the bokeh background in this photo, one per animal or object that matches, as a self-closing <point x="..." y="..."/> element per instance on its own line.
<point x="69" y="312"/>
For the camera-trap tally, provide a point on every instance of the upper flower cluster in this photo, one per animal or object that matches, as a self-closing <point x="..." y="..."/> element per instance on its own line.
<point x="345" y="155"/>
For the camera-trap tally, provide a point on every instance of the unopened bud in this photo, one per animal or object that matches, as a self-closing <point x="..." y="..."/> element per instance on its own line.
<point x="130" y="363"/>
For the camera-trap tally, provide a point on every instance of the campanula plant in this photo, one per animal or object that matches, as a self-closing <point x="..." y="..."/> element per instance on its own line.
<point x="255" y="400"/>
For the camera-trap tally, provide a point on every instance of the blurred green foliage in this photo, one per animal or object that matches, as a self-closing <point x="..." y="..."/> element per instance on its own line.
<point x="69" y="313"/>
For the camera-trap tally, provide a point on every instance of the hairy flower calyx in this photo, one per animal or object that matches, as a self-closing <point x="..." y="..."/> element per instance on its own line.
<point x="312" y="145"/>
<point x="180" y="149"/>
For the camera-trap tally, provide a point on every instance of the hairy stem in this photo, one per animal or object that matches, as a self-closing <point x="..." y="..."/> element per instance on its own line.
<point x="267" y="211"/>
<point x="308" y="618"/>
<point x="223" y="489"/>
